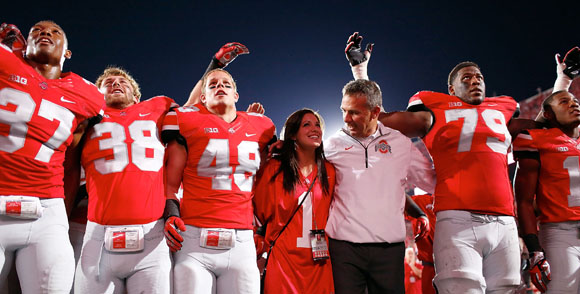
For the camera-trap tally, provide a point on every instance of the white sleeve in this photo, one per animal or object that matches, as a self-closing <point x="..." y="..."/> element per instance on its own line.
<point x="421" y="171"/>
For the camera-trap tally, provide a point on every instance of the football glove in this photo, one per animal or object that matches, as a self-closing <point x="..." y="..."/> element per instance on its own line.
<point x="353" y="50"/>
<point x="229" y="52"/>
<point x="421" y="227"/>
<point x="572" y="61"/>
<point x="172" y="236"/>
<point x="563" y="81"/>
<point x="11" y="36"/>
<point x="539" y="270"/>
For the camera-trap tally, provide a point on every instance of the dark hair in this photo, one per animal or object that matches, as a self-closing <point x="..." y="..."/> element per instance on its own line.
<point x="287" y="156"/>
<point x="457" y="68"/>
<point x="365" y="87"/>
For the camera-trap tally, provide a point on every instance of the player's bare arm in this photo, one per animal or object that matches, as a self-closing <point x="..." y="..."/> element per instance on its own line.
<point x="72" y="166"/>
<point x="175" y="164"/>
<point x="517" y="125"/>
<point x="410" y="124"/>
<point x="225" y="55"/>
<point x="525" y="189"/>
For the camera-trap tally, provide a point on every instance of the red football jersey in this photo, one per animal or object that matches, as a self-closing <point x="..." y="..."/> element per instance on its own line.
<point x="469" y="145"/>
<point x="425" y="244"/>
<point x="37" y="119"/>
<point x="222" y="160"/>
<point x="412" y="281"/>
<point x="123" y="160"/>
<point x="558" y="190"/>
<point x="291" y="268"/>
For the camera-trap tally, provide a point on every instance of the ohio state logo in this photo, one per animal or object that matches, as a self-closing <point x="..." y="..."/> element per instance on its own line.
<point x="383" y="147"/>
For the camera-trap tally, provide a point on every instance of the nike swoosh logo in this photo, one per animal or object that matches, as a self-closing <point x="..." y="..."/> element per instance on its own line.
<point x="66" y="100"/>
<point x="250" y="135"/>
<point x="348" y="148"/>
<point x="144" y="114"/>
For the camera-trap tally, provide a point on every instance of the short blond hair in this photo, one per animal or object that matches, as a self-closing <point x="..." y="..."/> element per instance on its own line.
<point x="204" y="79"/>
<point x="118" y="71"/>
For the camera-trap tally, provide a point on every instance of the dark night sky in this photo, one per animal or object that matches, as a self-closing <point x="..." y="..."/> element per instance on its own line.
<point x="297" y="58"/>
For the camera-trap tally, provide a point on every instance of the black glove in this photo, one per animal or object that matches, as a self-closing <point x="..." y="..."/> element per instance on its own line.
<point x="353" y="50"/>
<point x="572" y="61"/>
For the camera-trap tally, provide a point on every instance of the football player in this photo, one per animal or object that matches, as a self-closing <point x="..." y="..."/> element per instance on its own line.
<point x="216" y="151"/>
<point x="225" y="55"/>
<point x="476" y="244"/>
<point x="123" y="247"/>
<point x="548" y="172"/>
<point x="425" y="245"/>
<point x="43" y="114"/>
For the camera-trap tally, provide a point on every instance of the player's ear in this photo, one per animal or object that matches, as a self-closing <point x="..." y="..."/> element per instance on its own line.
<point x="548" y="114"/>
<point x="237" y="96"/>
<point x="202" y="98"/>
<point x="67" y="54"/>
<point x="451" y="90"/>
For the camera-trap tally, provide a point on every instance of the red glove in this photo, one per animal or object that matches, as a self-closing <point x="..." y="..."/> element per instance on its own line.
<point x="229" y="52"/>
<point x="11" y="36"/>
<point x="421" y="227"/>
<point x="260" y="245"/>
<point x="172" y="236"/>
<point x="539" y="270"/>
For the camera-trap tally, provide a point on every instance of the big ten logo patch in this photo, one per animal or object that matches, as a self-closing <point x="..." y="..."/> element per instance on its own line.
<point x="211" y="130"/>
<point x="383" y="147"/>
<point x="18" y="79"/>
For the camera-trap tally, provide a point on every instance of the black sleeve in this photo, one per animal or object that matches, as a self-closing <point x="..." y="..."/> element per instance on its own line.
<point x="81" y="194"/>
<point x="527" y="154"/>
<point x="94" y="120"/>
<point x="532" y="242"/>
<point x="418" y="107"/>
<point x="171" y="135"/>
<point x="412" y="209"/>
<point x="262" y="230"/>
<point x="171" y="209"/>
<point x="272" y="141"/>
<point x="516" y="112"/>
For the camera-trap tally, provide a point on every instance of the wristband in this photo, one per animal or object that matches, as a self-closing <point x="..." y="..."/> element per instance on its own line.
<point x="171" y="209"/>
<point x="532" y="242"/>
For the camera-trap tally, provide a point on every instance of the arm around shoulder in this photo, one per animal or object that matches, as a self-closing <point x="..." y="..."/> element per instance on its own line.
<point x="410" y="124"/>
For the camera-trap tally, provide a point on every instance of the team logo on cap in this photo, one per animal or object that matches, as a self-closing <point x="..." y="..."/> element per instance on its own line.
<point x="383" y="147"/>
